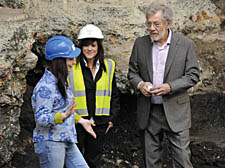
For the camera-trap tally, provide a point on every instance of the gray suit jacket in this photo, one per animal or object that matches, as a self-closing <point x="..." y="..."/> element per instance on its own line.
<point x="181" y="73"/>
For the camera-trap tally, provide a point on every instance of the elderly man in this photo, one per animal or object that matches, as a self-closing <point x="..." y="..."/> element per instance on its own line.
<point x="162" y="68"/>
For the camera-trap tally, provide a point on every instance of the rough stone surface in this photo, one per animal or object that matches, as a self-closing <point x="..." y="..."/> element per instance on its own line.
<point x="12" y="3"/>
<point x="25" y="29"/>
<point x="15" y="60"/>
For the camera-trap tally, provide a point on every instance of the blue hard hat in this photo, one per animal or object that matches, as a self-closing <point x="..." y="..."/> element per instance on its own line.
<point x="60" y="47"/>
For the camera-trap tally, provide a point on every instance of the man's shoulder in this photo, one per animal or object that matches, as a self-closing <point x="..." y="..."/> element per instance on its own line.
<point x="181" y="38"/>
<point x="143" y="39"/>
<point x="146" y="37"/>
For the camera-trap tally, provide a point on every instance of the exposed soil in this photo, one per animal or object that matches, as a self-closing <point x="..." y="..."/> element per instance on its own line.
<point x="123" y="148"/>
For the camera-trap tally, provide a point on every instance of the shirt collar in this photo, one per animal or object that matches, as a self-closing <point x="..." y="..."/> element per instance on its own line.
<point x="169" y="37"/>
<point x="167" y="41"/>
<point x="86" y="65"/>
<point x="49" y="75"/>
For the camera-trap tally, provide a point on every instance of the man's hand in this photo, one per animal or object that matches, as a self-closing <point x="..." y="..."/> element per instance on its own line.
<point x="110" y="125"/>
<point x="145" y="88"/>
<point x="87" y="124"/>
<point x="161" y="90"/>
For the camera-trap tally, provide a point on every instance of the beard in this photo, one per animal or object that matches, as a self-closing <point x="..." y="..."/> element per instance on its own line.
<point x="160" y="36"/>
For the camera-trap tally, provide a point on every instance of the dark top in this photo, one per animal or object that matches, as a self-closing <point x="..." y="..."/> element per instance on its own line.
<point x="90" y="89"/>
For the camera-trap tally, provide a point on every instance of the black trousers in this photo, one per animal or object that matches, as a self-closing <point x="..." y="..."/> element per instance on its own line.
<point x="91" y="148"/>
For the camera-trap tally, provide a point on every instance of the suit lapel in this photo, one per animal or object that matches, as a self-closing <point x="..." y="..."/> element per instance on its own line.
<point x="171" y="54"/>
<point x="148" y="56"/>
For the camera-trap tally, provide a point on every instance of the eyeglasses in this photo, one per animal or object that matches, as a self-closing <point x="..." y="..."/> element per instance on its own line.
<point x="154" y="24"/>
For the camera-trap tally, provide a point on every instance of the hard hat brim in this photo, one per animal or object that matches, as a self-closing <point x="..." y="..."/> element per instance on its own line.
<point x="94" y="37"/>
<point x="76" y="53"/>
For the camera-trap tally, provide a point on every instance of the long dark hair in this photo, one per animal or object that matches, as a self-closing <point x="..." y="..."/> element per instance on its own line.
<point x="100" y="54"/>
<point x="58" y="67"/>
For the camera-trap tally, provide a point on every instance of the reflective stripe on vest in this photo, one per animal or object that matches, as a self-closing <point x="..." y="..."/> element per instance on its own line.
<point x="103" y="89"/>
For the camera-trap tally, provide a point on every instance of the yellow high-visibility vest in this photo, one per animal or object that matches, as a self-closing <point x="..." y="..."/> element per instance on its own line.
<point x="103" y="89"/>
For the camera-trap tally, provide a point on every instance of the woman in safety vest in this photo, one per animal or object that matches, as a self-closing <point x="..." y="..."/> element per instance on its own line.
<point x="53" y="104"/>
<point x="93" y="84"/>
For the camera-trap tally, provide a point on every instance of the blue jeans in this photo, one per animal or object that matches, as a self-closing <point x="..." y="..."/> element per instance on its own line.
<point x="57" y="154"/>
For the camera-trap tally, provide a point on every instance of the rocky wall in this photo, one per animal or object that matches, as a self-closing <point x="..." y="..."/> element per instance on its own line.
<point x="25" y="30"/>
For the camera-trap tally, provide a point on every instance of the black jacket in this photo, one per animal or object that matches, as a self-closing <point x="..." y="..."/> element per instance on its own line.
<point x="90" y="89"/>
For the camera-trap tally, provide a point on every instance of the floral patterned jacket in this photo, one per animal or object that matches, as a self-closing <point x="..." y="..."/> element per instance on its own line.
<point x="47" y="102"/>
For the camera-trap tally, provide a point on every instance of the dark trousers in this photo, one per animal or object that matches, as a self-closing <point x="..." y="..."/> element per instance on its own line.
<point x="153" y="136"/>
<point x="91" y="148"/>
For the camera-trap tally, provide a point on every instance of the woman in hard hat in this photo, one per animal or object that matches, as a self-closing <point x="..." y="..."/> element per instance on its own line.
<point x="53" y="104"/>
<point x="95" y="92"/>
